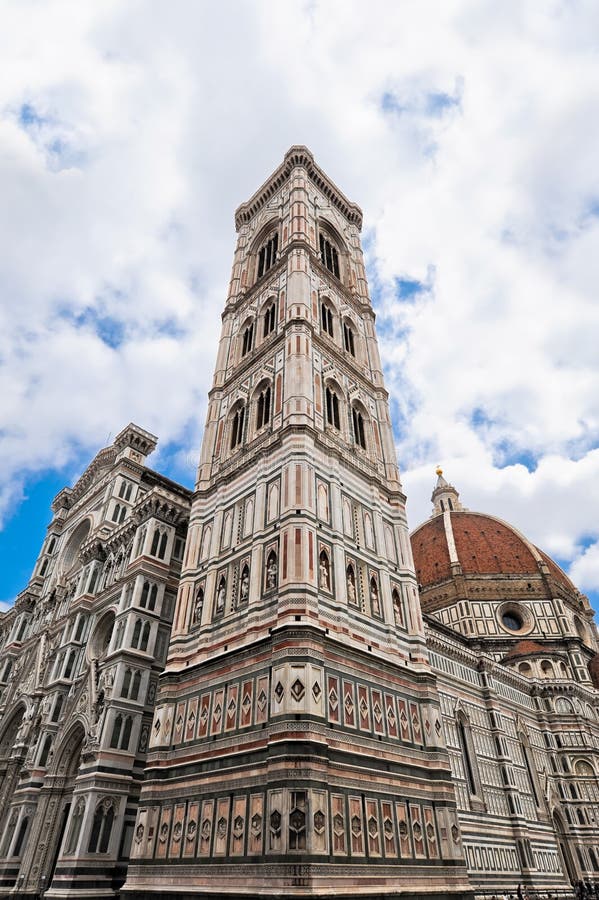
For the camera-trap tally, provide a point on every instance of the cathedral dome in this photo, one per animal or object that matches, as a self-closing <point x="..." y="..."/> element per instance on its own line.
<point x="479" y="544"/>
<point x="455" y="541"/>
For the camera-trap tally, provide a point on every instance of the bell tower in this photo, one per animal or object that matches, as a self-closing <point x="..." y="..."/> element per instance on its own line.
<point x="296" y="748"/>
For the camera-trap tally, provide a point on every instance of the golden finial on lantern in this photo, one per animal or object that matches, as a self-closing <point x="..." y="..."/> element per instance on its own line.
<point x="439" y="470"/>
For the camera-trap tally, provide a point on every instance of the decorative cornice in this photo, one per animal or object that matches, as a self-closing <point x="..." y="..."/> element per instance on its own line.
<point x="155" y="505"/>
<point x="298" y="156"/>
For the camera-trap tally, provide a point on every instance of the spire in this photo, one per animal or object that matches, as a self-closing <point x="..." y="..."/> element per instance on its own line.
<point x="445" y="496"/>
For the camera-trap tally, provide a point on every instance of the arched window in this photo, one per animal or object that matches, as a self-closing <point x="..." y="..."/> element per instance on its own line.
<point x="125" y="490"/>
<point x="547" y="668"/>
<point x="468" y="754"/>
<point x="144" y="593"/>
<point x="101" y="827"/>
<point x="57" y="708"/>
<point x="44" y="567"/>
<point x="329" y="255"/>
<point x="126" y="683"/>
<point x="51" y="545"/>
<point x="76" y="823"/>
<point x="530" y="771"/>
<point x="135" y="685"/>
<point x="263" y="408"/>
<point x="237" y="426"/>
<point x="358" y="426"/>
<point x="45" y="750"/>
<point x="116" y="732"/>
<point x="126" y="736"/>
<point x="267" y="255"/>
<point x="248" y="339"/>
<point x="7" y="670"/>
<point x="116" y="512"/>
<point x="152" y="597"/>
<point x="145" y="636"/>
<point x="136" y="634"/>
<point x="332" y="408"/>
<point x="348" y="339"/>
<point x="68" y="670"/>
<point x="155" y="541"/>
<point x="269" y="319"/>
<point x="123" y="514"/>
<point x="326" y="318"/>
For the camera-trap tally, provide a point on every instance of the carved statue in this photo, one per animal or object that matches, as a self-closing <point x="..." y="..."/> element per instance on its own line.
<point x="198" y="606"/>
<point x="325" y="575"/>
<point x="220" y="597"/>
<point x="245" y="586"/>
<point x="271" y="572"/>
<point x="374" y="597"/>
<point x="351" y="586"/>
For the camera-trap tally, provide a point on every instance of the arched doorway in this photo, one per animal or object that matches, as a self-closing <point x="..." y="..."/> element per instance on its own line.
<point x="563" y="843"/>
<point x="54" y="805"/>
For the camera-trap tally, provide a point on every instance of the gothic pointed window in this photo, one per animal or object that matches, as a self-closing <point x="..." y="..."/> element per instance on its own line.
<point x="332" y="408"/>
<point x="269" y="319"/>
<point x="136" y="634"/>
<point x="116" y="512"/>
<point x="247" y="340"/>
<point x="263" y="408"/>
<point x="76" y="823"/>
<point x="135" y="685"/>
<point x="329" y="255"/>
<point x="348" y="339"/>
<point x="326" y="319"/>
<point x="44" y="567"/>
<point x="126" y="683"/>
<point x="45" y="750"/>
<point x="145" y="637"/>
<point x="116" y="732"/>
<point x="101" y="827"/>
<point x="126" y="736"/>
<point x="267" y="254"/>
<point x="237" y="423"/>
<point x="358" y="426"/>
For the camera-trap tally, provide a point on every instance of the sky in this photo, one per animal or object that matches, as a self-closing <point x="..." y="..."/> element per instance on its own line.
<point x="467" y="131"/>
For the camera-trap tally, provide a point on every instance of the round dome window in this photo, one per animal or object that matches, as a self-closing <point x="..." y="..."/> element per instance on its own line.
<point x="515" y="618"/>
<point x="512" y="621"/>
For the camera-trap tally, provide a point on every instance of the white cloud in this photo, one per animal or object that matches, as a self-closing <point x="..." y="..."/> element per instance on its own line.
<point x="146" y="124"/>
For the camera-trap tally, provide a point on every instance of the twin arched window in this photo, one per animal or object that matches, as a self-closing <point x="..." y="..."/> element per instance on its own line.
<point x="131" y="684"/>
<point x="149" y="593"/>
<point x="119" y="512"/>
<point x="329" y="255"/>
<point x="326" y="318"/>
<point x="141" y="635"/>
<point x="121" y="734"/>
<point x="358" y="427"/>
<point x="267" y="255"/>
<point x="237" y="424"/>
<point x="348" y="339"/>
<point x="101" y="827"/>
<point x="332" y="408"/>
<point x="159" y="542"/>
<point x="248" y="339"/>
<point x="270" y="314"/>
<point x="263" y="407"/>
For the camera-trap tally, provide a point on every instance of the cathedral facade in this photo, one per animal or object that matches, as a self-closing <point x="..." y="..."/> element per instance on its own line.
<point x="265" y="687"/>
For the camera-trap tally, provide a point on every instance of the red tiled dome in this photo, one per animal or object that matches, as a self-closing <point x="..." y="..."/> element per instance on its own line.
<point x="484" y="546"/>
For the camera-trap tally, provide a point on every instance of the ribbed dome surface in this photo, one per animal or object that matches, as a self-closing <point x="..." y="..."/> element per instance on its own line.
<point x="483" y="545"/>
